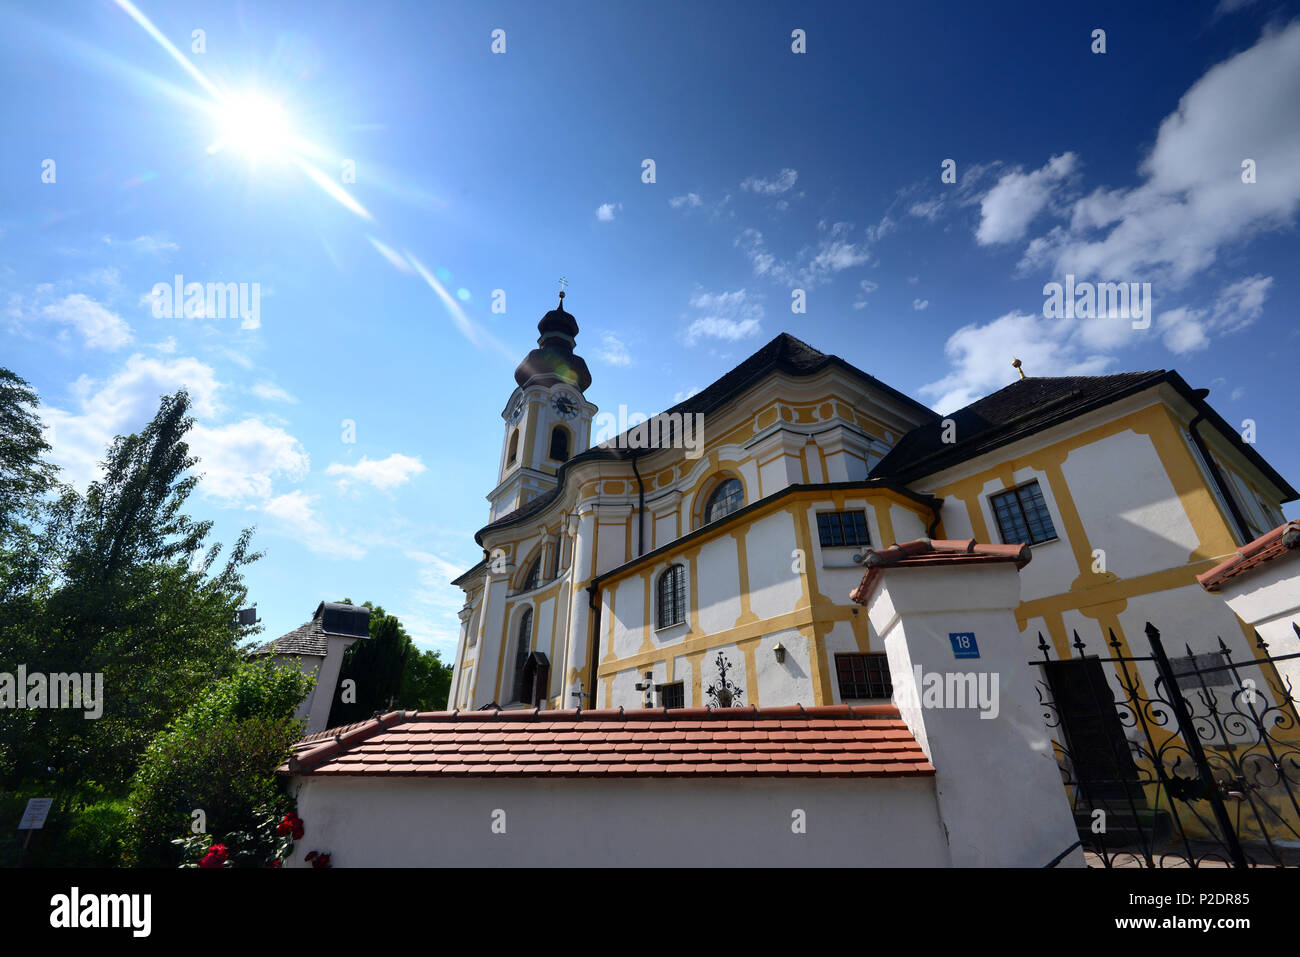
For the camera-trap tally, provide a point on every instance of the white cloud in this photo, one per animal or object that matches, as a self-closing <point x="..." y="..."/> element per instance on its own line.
<point x="1192" y="201"/>
<point x="605" y="212"/>
<point x="613" y="351"/>
<point x="690" y="199"/>
<point x="920" y="304"/>
<point x="1187" y="329"/>
<point x="383" y="474"/>
<point x="1010" y="206"/>
<point x="981" y="356"/>
<point x="294" y="515"/>
<point x="780" y="183"/>
<point x="99" y="327"/>
<point x="926" y="209"/>
<point x="728" y="316"/>
<point x="153" y="245"/>
<point x="240" y="461"/>
<point x="685" y="394"/>
<point x="834" y="252"/>
<point x="867" y="287"/>
<point x="271" y="392"/>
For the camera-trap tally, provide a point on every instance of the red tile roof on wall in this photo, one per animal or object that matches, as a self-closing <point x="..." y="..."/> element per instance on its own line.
<point x="925" y="552"/>
<point x="1267" y="547"/>
<point x="837" y="741"/>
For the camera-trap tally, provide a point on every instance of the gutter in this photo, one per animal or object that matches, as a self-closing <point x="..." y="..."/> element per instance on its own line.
<point x="592" y="591"/>
<point x="640" y="510"/>
<point x="1201" y="410"/>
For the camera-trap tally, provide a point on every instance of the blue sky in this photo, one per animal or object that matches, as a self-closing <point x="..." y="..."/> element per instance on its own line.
<point x="478" y="171"/>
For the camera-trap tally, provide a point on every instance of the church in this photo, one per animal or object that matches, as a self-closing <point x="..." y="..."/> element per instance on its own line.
<point x="632" y="571"/>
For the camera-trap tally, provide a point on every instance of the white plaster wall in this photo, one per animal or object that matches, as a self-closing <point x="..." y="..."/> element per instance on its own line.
<point x="685" y="673"/>
<point x="606" y="822"/>
<point x="718" y="581"/>
<point x="908" y="526"/>
<point x="665" y="528"/>
<point x="773" y="587"/>
<point x="788" y="682"/>
<point x="611" y="543"/>
<point x="629" y="616"/>
<point x="1268" y="599"/>
<point x="956" y="520"/>
<point x="1135" y="517"/>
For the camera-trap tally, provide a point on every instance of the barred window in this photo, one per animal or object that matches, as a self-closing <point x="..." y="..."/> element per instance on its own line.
<point x="534" y="574"/>
<point x="1190" y="672"/>
<point x="726" y="498"/>
<point x="521" y="652"/>
<point x="842" y="528"/>
<point x="672" y="596"/>
<point x="673" y="695"/>
<point x="1022" y="515"/>
<point x="863" y="676"/>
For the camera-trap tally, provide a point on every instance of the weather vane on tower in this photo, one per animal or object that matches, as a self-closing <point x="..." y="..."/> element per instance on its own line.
<point x="563" y="282"/>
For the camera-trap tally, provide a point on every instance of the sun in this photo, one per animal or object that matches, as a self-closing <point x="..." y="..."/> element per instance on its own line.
<point x="254" y="126"/>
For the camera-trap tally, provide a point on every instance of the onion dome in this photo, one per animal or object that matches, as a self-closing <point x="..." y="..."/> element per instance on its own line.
<point x="554" y="360"/>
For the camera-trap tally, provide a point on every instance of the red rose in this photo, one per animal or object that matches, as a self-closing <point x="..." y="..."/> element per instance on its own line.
<point x="275" y="863"/>
<point x="321" y="861"/>
<point x="310" y="856"/>
<point x="217" y="856"/>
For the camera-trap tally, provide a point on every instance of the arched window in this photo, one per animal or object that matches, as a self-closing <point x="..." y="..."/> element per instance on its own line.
<point x="514" y="447"/>
<point x="521" y="653"/>
<point x="534" y="574"/>
<point x="555" y="555"/>
<point x="726" y="498"/>
<point x="672" y="596"/>
<point x="560" y="443"/>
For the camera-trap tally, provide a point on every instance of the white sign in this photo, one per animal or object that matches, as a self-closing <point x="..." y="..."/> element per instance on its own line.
<point x="34" y="816"/>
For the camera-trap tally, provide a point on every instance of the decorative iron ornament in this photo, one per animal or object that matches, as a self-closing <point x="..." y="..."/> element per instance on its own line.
<point x="1198" y="774"/>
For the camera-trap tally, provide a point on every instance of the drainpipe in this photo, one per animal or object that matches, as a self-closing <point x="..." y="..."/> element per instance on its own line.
<point x="640" y="510"/>
<point x="1237" y="518"/>
<point x="934" y="526"/>
<point x="595" y="639"/>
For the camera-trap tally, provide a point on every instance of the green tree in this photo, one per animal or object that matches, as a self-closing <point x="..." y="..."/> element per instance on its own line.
<point x="131" y="591"/>
<point x="389" y="672"/>
<point x="426" y="682"/>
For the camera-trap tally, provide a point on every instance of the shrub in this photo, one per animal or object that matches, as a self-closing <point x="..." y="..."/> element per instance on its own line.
<point x="220" y="758"/>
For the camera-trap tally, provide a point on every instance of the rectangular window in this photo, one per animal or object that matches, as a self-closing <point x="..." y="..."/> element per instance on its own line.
<point x="1190" y="672"/>
<point x="673" y="695"/>
<point x="842" y="528"/>
<point x="1022" y="515"/>
<point x="863" y="676"/>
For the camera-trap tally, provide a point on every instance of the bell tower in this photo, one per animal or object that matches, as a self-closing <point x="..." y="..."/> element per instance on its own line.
<point x="547" y="418"/>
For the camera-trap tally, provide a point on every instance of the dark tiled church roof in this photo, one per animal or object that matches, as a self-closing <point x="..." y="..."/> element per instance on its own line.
<point x="1026" y="406"/>
<point x="785" y="353"/>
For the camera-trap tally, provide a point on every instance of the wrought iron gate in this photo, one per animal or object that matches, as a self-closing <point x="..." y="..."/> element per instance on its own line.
<point x="1187" y="762"/>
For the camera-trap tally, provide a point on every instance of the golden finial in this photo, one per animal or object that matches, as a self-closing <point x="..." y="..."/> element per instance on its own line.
<point x="1016" y="365"/>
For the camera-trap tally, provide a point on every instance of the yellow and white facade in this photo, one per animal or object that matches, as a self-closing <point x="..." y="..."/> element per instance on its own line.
<point x="574" y="567"/>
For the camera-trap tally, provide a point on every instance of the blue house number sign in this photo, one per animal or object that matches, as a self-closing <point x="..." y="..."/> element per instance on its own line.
<point x="963" y="644"/>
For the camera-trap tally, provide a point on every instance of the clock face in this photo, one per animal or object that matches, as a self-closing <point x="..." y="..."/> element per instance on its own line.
<point x="565" y="406"/>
